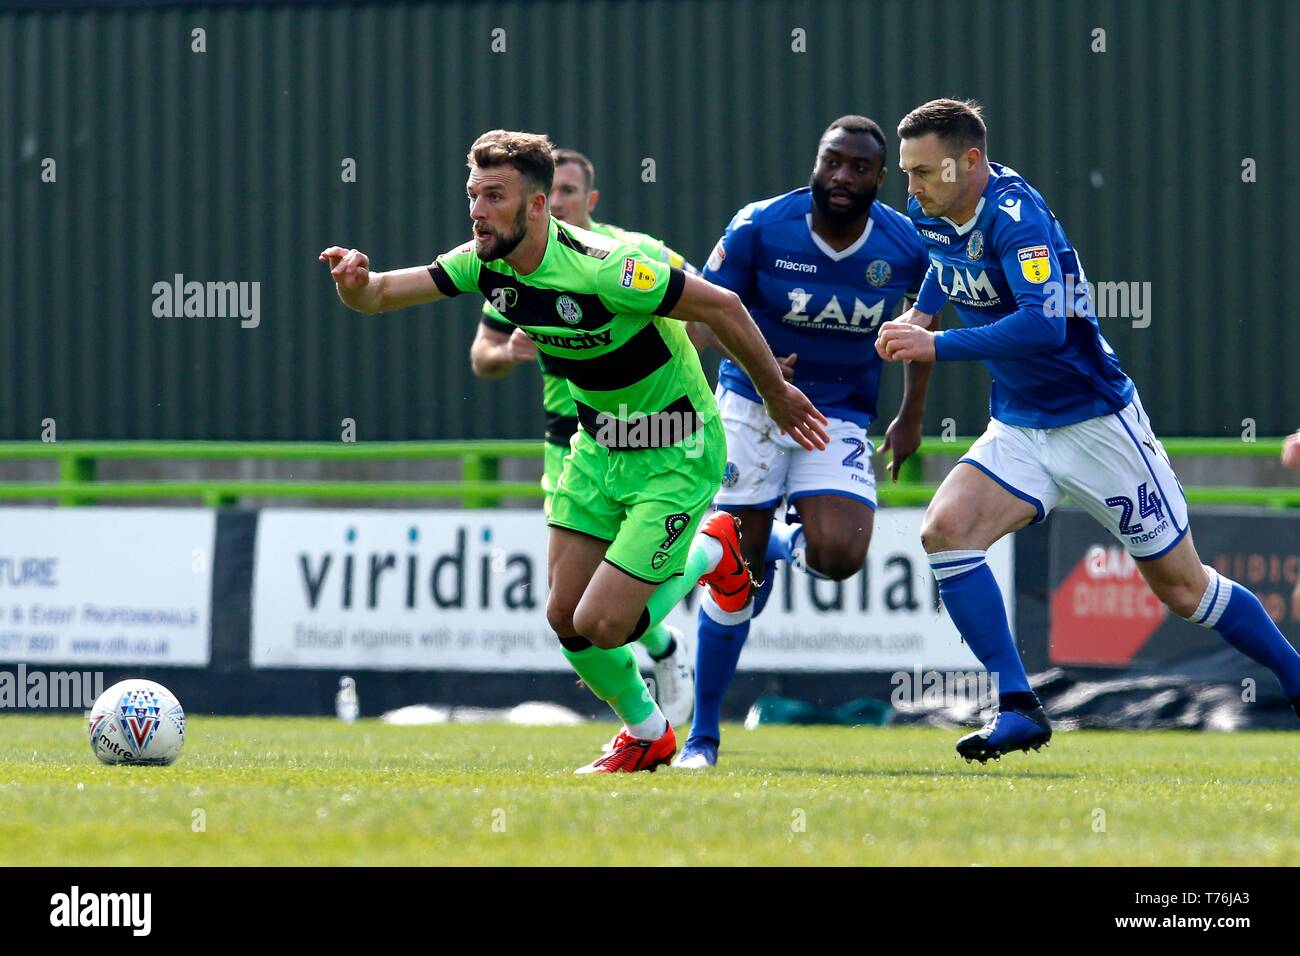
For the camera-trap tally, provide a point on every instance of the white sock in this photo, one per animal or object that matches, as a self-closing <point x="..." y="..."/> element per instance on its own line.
<point x="711" y="547"/>
<point x="1214" y="601"/>
<point x="719" y="616"/>
<point x="652" y="728"/>
<point x="949" y="564"/>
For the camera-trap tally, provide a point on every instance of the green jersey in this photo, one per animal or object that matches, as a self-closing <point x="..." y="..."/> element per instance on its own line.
<point x="596" y="309"/>
<point x="561" y="413"/>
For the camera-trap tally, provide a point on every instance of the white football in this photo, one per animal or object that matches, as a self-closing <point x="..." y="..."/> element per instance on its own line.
<point x="137" y="721"/>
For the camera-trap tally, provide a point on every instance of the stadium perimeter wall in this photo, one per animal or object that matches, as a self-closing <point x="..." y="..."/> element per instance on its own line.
<point x="261" y="612"/>
<point x="226" y="164"/>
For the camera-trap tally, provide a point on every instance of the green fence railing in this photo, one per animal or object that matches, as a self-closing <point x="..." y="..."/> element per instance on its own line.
<point x="479" y="484"/>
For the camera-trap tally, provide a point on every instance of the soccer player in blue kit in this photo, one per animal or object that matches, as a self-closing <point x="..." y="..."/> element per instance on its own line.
<point x="1065" y="419"/>
<point x="819" y="269"/>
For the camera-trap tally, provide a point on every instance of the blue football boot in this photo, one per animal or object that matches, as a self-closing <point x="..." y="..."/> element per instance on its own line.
<point x="699" y="752"/>
<point x="1019" y="729"/>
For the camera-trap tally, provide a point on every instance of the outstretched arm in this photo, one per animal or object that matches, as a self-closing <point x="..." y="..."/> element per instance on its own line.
<point x="725" y="315"/>
<point x="373" y="292"/>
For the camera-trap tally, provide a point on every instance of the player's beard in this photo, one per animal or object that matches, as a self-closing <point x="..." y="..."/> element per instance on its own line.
<point x="859" y="202"/>
<point x="501" y="245"/>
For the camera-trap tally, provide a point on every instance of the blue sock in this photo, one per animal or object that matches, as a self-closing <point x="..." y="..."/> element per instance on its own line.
<point x="765" y="589"/>
<point x="974" y="602"/>
<point x="1236" y="613"/>
<point x="782" y="541"/>
<point x="717" y="651"/>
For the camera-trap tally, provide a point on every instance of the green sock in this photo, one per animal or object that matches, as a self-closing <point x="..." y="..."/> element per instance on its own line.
<point x="656" y="640"/>
<point x="613" y="677"/>
<point x="674" y="589"/>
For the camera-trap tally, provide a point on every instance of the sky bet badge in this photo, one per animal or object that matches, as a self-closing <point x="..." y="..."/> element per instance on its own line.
<point x="1035" y="263"/>
<point x="637" y="275"/>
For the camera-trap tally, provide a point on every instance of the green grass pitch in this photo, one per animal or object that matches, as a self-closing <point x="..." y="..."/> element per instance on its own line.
<point x="318" y="792"/>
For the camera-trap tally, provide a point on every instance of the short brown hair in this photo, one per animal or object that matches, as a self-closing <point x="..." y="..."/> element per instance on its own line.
<point x="958" y="123"/>
<point x="529" y="153"/>
<point x="563" y="157"/>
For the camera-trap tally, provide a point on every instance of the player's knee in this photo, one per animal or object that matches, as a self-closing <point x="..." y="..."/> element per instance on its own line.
<point x="942" y="529"/>
<point x="1181" y="597"/>
<point x="559" y="615"/>
<point x="602" y="629"/>
<point x="837" y="560"/>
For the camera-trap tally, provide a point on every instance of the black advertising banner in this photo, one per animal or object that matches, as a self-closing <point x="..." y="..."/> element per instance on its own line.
<point x="1103" y="614"/>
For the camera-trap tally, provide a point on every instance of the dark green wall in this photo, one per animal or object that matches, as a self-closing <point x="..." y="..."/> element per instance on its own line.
<point x="225" y="166"/>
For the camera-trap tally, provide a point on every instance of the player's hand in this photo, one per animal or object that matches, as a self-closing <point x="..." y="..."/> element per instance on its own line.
<point x="903" y="438"/>
<point x="902" y="341"/>
<point x="1291" y="451"/>
<point x="787" y="366"/>
<point x="520" y="347"/>
<point x="349" y="268"/>
<point x="795" y="415"/>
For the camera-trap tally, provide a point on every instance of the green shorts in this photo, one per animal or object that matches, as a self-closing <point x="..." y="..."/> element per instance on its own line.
<point x="552" y="465"/>
<point x="647" y="503"/>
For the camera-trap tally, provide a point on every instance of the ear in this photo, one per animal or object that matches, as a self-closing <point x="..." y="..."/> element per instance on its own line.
<point x="593" y="197"/>
<point x="537" y="205"/>
<point x="973" y="158"/>
<point x="880" y="180"/>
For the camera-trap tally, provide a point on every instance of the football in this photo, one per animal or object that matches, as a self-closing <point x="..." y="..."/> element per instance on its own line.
<point x="137" y="722"/>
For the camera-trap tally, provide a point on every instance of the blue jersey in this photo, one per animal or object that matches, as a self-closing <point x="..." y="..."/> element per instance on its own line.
<point x="1017" y="285"/>
<point x="808" y="298"/>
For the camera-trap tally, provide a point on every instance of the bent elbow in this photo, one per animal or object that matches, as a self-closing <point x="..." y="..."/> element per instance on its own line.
<point x="1052" y="332"/>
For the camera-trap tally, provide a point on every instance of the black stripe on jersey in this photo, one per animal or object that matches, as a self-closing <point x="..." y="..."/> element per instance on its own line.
<point x="560" y="428"/>
<point x="534" y="307"/>
<point x="676" y="282"/>
<point x="495" y="324"/>
<point x="642" y="354"/>
<point x="548" y="364"/>
<point x="443" y="281"/>
<point x="676" y="422"/>
<point x="576" y="246"/>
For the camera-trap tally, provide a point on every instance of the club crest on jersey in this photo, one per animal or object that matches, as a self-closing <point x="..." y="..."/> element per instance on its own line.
<point x="568" y="310"/>
<point x="1035" y="263"/>
<point x="878" y="272"/>
<point x="975" y="245"/>
<point x="730" y="475"/>
<point x="637" y="275"/>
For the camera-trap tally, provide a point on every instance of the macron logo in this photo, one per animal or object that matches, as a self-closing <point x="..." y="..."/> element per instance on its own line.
<point x="795" y="266"/>
<point x="1011" y="207"/>
<point x="103" y="909"/>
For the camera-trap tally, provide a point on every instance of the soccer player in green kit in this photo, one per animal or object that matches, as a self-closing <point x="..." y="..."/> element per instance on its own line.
<point x="628" y="535"/>
<point x="499" y="346"/>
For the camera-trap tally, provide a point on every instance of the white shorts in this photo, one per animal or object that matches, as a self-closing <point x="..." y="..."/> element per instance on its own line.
<point x="765" y="466"/>
<point x="1111" y="466"/>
